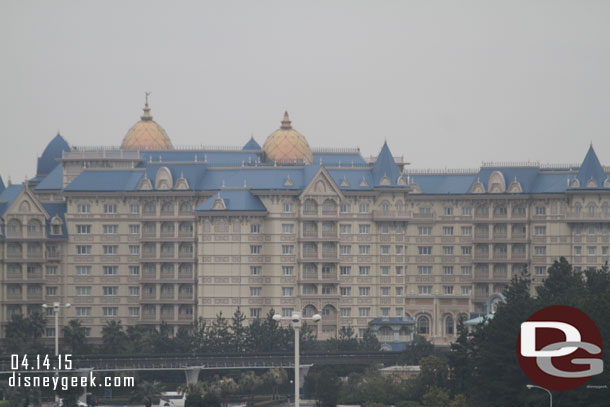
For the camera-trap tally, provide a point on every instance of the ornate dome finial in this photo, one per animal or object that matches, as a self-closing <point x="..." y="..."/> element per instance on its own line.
<point x="146" y="116"/>
<point x="146" y="134"/>
<point x="286" y="123"/>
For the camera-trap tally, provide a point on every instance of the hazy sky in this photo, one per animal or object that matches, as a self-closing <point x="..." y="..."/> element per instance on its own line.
<point x="447" y="83"/>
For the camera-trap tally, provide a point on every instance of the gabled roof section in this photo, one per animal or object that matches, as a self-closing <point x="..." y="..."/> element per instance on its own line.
<point x="385" y="170"/>
<point x="106" y="181"/>
<point x="8" y="196"/>
<point x="252" y="145"/>
<point x="591" y="169"/>
<point x="240" y="200"/>
<point x="56" y="210"/>
<point x="323" y="176"/>
<point x="53" y="181"/>
<point x="51" y="155"/>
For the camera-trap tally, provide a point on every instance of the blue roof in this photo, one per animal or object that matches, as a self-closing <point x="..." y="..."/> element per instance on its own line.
<point x="392" y="321"/>
<point x="1" y="185"/>
<point x="8" y="196"/>
<point x="224" y="158"/>
<point x="385" y="166"/>
<point x="343" y="159"/>
<point x="51" y="155"/>
<point x="234" y="200"/>
<point x="106" y="180"/>
<point x="53" y="181"/>
<point x="394" y="346"/>
<point x="56" y="209"/>
<point x="591" y="168"/>
<point x="444" y="183"/>
<point x="252" y="145"/>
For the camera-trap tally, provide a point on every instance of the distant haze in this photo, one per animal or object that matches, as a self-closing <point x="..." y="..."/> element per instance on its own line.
<point x="446" y="83"/>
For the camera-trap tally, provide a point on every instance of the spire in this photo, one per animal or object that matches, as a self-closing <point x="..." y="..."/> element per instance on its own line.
<point x="286" y="121"/>
<point x="385" y="167"/>
<point x="146" y="116"/>
<point x="591" y="168"/>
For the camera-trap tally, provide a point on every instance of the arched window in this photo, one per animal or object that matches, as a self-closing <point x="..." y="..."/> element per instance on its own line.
<point x="186" y="207"/>
<point x="449" y="329"/>
<point x="309" y="311"/>
<point x="423" y="325"/>
<point x="385" y="207"/>
<point x="329" y="207"/>
<point x="310" y="206"/>
<point x="329" y="311"/>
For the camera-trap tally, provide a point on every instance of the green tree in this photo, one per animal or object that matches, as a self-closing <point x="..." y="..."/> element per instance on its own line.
<point x="23" y="333"/>
<point x="248" y="382"/>
<point x="239" y="331"/>
<point x="436" y="397"/>
<point x="146" y="393"/>
<point x="75" y="337"/>
<point x="275" y="377"/>
<point x="219" y="335"/>
<point x="369" y="342"/>
<point x="417" y="349"/>
<point x="114" y="339"/>
<point x="224" y="388"/>
<point x="210" y="400"/>
<point x="327" y="388"/>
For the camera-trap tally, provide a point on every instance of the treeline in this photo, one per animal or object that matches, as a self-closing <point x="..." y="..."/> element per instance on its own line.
<point x="23" y="335"/>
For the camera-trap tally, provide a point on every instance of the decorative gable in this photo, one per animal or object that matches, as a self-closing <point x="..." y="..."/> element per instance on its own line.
<point x="322" y="184"/>
<point x="363" y="182"/>
<point x="145" y="184"/>
<point x="478" y="188"/>
<point x="345" y="183"/>
<point x="182" y="183"/>
<point x="515" y="187"/>
<point x="497" y="184"/>
<point x="288" y="182"/>
<point x="591" y="183"/>
<point x="219" y="204"/>
<point x="163" y="180"/>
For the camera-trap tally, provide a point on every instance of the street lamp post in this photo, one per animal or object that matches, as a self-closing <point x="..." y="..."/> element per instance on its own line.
<point x="56" y="306"/>
<point x="296" y="325"/>
<point x="531" y="386"/>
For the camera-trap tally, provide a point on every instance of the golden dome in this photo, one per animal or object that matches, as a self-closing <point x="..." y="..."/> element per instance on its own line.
<point x="146" y="134"/>
<point x="287" y="145"/>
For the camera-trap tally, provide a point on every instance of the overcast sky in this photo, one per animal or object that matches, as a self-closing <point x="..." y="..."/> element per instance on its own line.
<point x="446" y="83"/>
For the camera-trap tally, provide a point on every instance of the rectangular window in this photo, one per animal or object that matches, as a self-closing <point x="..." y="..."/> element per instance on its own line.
<point x="51" y="270"/>
<point x="466" y="211"/>
<point x="398" y="249"/>
<point x="364" y="291"/>
<point x="287" y="270"/>
<point x="448" y="212"/>
<point x="448" y="270"/>
<point x="51" y="291"/>
<point x="110" y="291"/>
<point x="424" y="230"/>
<point x="540" y="230"/>
<point x="398" y="291"/>
<point x="50" y="332"/>
<point x="364" y="207"/>
<point x="424" y="270"/>
<point x="398" y="270"/>
<point x="385" y="249"/>
<point x="591" y="250"/>
<point x="385" y="270"/>
<point x="344" y="208"/>
<point x="255" y="312"/>
<point x="466" y="230"/>
<point x="110" y="311"/>
<point x="110" y="270"/>
<point x="287" y="291"/>
<point x="448" y="230"/>
<point x="424" y="250"/>
<point x="110" y="249"/>
<point x="540" y="250"/>
<point x="466" y="290"/>
<point x="448" y="289"/>
<point x="385" y="291"/>
<point x="466" y="270"/>
<point x="385" y="228"/>
<point x="364" y="312"/>
<point x="83" y="311"/>
<point x="134" y="209"/>
<point x="255" y="291"/>
<point x="466" y="250"/>
<point x="540" y="211"/>
<point x="345" y="270"/>
<point x="111" y="229"/>
<point x="134" y="249"/>
<point x="110" y="208"/>
<point x="346" y="312"/>
<point x="83" y="208"/>
<point x="364" y="249"/>
<point x="255" y="228"/>
<point x="592" y="230"/>
<point x="255" y="249"/>
<point x="540" y="270"/>
<point x="287" y="207"/>
<point x="345" y="229"/>
<point x="425" y="210"/>
<point x="364" y="270"/>
<point x="134" y="229"/>
<point x="83" y="250"/>
<point x="287" y="249"/>
<point x="83" y="291"/>
<point x="256" y="270"/>
<point x="83" y="270"/>
<point x="577" y="250"/>
<point x="385" y="312"/>
<point x="134" y="311"/>
<point x="399" y="311"/>
<point x="364" y="229"/>
<point x="424" y="289"/>
<point x="346" y="291"/>
<point x="83" y="229"/>
<point x="134" y="291"/>
<point x="345" y="250"/>
<point x="287" y="312"/>
<point x="604" y="251"/>
<point x="288" y="228"/>
<point x="447" y="250"/>
<point x="134" y="270"/>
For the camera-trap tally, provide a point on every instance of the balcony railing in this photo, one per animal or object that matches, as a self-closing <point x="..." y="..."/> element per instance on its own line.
<point x="185" y="296"/>
<point x="310" y="233"/>
<point x="185" y="255"/>
<point x="167" y="295"/>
